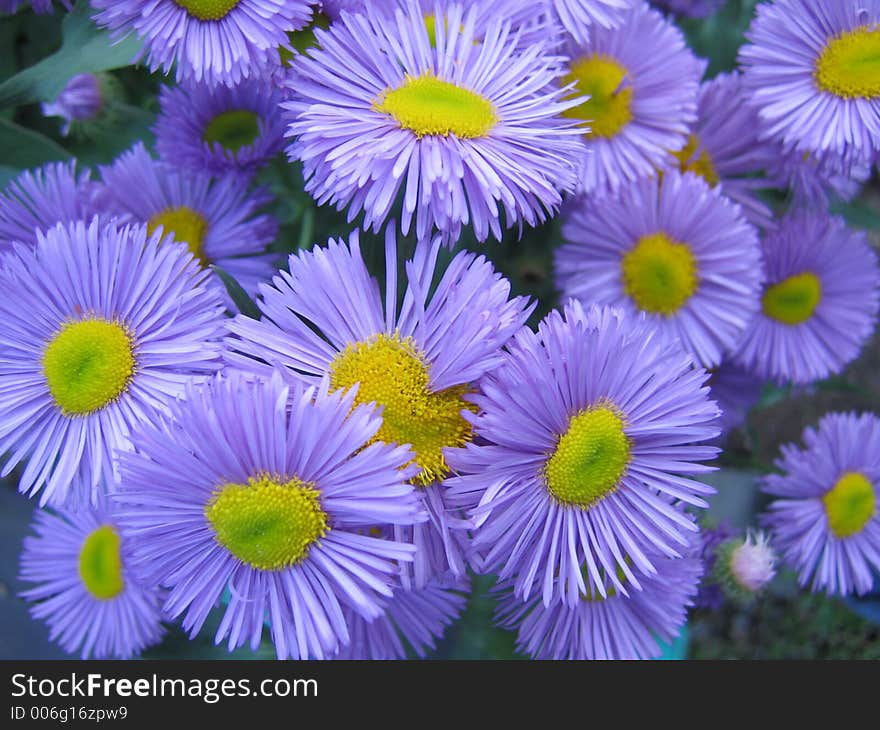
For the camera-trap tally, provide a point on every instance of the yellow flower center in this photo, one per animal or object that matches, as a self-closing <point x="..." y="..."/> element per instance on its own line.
<point x="208" y="9"/>
<point x="793" y="300"/>
<point x="233" y="130"/>
<point x="609" y="108"/>
<point x="186" y="225"/>
<point x="268" y="523"/>
<point x="659" y="274"/>
<point x="849" y="65"/>
<point x="88" y="364"/>
<point x="393" y="374"/>
<point x="692" y="159"/>
<point x="850" y="504"/>
<point x="427" y="106"/>
<point x="100" y="564"/>
<point x="590" y="457"/>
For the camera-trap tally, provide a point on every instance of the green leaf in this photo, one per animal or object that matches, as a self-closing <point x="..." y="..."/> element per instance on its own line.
<point x="85" y="49"/>
<point x="238" y="295"/>
<point x="24" y="148"/>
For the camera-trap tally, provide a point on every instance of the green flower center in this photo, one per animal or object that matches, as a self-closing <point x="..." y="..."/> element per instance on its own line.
<point x="427" y="106"/>
<point x="590" y="457"/>
<point x="849" y="65"/>
<point x="208" y="9"/>
<point x="100" y="565"/>
<point x="849" y="504"/>
<point x="186" y="225"/>
<point x="659" y="274"/>
<point x="233" y="130"/>
<point x="393" y="374"/>
<point x="268" y="524"/>
<point x="88" y="364"/>
<point x="700" y="163"/>
<point x="793" y="300"/>
<point x="609" y="108"/>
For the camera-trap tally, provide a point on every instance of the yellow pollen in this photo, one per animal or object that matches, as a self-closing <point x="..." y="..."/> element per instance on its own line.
<point x="428" y="106"/>
<point x="88" y="364"/>
<point x="208" y="9"/>
<point x="233" y="129"/>
<point x="590" y="457"/>
<point x="660" y="274"/>
<point x="392" y="373"/>
<point x="849" y="65"/>
<point x="693" y="159"/>
<point x="850" y="504"/>
<point x="609" y="108"/>
<point x="268" y="523"/>
<point x="100" y="564"/>
<point x="793" y="300"/>
<point x="186" y="225"/>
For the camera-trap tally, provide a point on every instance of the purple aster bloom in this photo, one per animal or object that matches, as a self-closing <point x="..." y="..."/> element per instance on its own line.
<point x="39" y="6"/>
<point x="334" y="8"/>
<point x="37" y="200"/>
<point x="263" y="490"/>
<point x="81" y="100"/>
<point x="327" y="316"/>
<point x="736" y="391"/>
<point x="612" y="625"/>
<point x="412" y="623"/>
<point x="710" y="596"/>
<point x="219" y="219"/>
<point x="85" y="587"/>
<point x="819" y="303"/>
<point x="690" y="8"/>
<point x="675" y="249"/>
<point x="100" y="327"/>
<point x="584" y="434"/>
<point x="579" y="17"/>
<point x="220" y="129"/>
<point x="810" y="69"/>
<point x="825" y="521"/>
<point x="464" y="130"/>
<point x="642" y="82"/>
<point x="209" y="40"/>
<point x="819" y="179"/>
<point x="725" y="148"/>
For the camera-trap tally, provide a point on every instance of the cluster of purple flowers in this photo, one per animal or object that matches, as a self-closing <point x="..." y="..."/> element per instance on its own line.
<point x="331" y="471"/>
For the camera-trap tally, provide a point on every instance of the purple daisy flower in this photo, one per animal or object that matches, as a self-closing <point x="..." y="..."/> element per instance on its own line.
<point x="413" y="623"/>
<point x="327" y="316"/>
<point x="579" y="17"/>
<point x="37" y="200"/>
<point x="584" y="432"/>
<point x="100" y="326"/>
<point x="818" y="179"/>
<point x="217" y="218"/>
<point x="819" y="303"/>
<point x="675" y="249"/>
<point x="220" y="129"/>
<point x="209" y="40"/>
<point x="465" y="130"/>
<point x="724" y="147"/>
<point x="642" y="83"/>
<point x="710" y="596"/>
<point x="825" y="521"/>
<point x="810" y="69"/>
<point x="736" y="392"/>
<point x="263" y="490"/>
<point x="610" y="625"/>
<point x="690" y="8"/>
<point x="81" y="100"/>
<point x="85" y="587"/>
